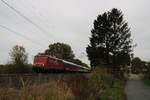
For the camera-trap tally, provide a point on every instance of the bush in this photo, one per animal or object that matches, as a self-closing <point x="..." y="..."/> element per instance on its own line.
<point x="17" y="68"/>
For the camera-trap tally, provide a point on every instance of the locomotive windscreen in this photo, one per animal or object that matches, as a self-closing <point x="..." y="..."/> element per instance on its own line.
<point x="40" y="57"/>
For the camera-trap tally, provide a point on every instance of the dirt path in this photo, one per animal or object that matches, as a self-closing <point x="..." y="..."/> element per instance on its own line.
<point x="136" y="89"/>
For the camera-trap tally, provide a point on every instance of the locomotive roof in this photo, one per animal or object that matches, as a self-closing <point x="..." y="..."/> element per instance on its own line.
<point x="43" y="55"/>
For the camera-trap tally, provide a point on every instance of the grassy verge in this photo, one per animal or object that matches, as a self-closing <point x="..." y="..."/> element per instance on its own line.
<point x="116" y="91"/>
<point x="145" y="79"/>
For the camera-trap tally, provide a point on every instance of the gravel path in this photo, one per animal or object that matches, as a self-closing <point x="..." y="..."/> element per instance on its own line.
<point x="136" y="89"/>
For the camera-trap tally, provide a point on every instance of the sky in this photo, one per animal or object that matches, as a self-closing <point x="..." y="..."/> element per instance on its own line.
<point x="67" y="21"/>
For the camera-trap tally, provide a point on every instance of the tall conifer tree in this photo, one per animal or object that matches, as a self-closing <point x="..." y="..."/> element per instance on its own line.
<point x="110" y="41"/>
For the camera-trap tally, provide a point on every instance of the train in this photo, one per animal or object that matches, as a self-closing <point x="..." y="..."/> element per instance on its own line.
<point x="46" y="63"/>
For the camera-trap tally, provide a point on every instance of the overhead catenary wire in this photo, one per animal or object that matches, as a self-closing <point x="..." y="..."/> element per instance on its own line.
<point x="21" y="35"/>
<point x="30" y="21"/>
<point x="39" y="15"/>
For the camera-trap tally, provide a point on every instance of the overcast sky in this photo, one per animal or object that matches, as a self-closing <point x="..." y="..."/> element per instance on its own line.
<point x="67" y="21"/>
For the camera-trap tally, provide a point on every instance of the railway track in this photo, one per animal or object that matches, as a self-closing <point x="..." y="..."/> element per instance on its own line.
<point x="11" y="75"/>
<point x="41" y="74"/>
<point x="16" y="80"/>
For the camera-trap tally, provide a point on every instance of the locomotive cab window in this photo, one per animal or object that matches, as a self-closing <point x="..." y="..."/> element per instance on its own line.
<point x="43" y="57"/>
<point x="40" y="57"/>
<point x="36" y="57"/>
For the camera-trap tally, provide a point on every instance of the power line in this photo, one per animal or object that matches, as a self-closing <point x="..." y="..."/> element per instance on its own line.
<point x="19" y="34"/>
<point x="38" y="14"/>
<point x="26" y="18"/>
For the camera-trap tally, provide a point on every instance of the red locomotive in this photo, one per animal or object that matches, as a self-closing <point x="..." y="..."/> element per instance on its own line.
<point x="46" y="63"/>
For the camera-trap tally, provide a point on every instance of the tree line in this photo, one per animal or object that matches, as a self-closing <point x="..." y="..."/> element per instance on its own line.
<point x="140" y="66"/>
<point x="19" y="57"/>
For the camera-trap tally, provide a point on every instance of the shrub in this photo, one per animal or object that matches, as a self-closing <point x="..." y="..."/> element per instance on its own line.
<point x="17" y="68"/>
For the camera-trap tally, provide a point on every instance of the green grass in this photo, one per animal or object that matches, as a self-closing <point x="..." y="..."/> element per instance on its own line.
<point x="145" y="79"/>
<point x="116" y="91"/>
